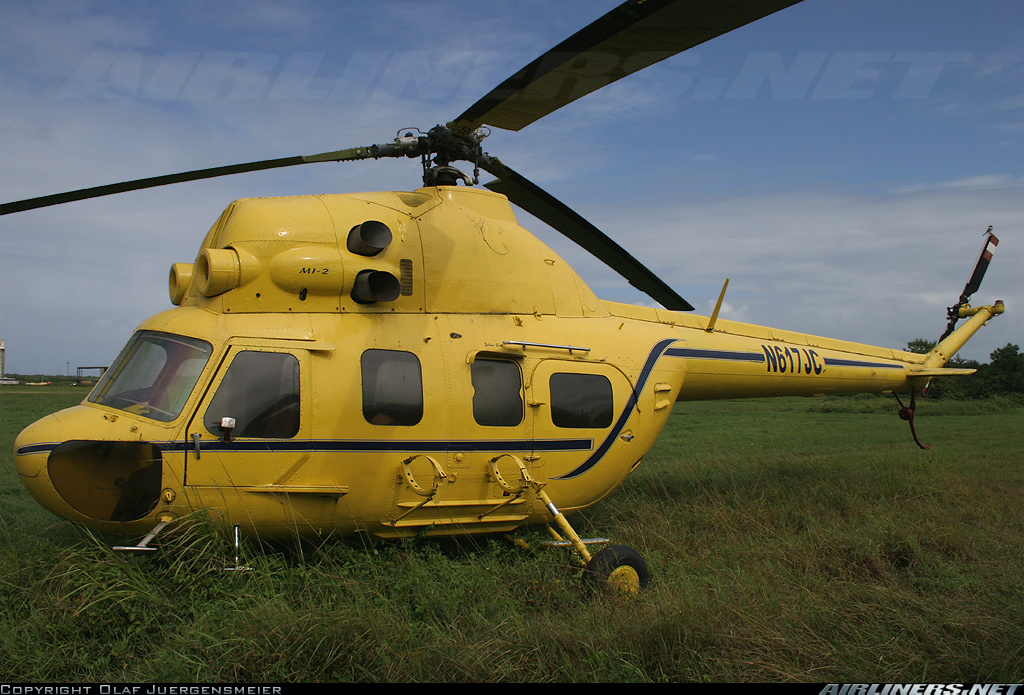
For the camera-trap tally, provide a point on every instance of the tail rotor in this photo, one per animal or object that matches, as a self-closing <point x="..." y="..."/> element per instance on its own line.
<point x="953" y="312"/>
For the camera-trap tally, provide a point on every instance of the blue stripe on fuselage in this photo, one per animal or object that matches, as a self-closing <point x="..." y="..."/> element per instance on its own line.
<point x="356" y="445"/>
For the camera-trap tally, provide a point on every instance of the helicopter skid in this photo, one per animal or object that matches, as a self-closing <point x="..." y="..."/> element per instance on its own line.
<point x="144" y="544"/>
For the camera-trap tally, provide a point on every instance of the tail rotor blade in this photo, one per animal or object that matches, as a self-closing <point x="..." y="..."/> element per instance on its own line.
<point x="981" y="266"/>
<point x="953" y="312"/>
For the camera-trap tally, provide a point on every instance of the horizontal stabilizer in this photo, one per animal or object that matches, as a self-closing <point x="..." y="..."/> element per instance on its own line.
<point x="941" y="371"/>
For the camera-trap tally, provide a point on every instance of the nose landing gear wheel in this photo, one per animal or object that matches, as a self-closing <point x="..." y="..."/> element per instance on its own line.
<point x="617" y="569"/>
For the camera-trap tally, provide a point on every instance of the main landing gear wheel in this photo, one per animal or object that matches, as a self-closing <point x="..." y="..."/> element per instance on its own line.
<point x="617" y="569"/>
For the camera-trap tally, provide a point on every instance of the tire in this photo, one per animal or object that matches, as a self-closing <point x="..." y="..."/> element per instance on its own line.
<point x="617" y="569"/>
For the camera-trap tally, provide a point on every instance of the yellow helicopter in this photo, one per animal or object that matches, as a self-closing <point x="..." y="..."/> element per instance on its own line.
<point x="417" y="363"/>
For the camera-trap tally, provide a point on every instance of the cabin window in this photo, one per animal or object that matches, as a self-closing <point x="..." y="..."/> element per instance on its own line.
<point x="154" y="375"/>
<point x="581" y="400"/>
<point x="261" y="392"/>
<point x="392" y="387"/>
<point x="497" y="393"/>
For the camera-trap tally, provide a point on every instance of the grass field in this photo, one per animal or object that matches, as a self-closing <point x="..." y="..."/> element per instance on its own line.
<point x="790" y="540"/>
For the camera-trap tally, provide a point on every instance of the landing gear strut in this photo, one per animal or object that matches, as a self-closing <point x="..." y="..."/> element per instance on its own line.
<point x="617" y="569"/>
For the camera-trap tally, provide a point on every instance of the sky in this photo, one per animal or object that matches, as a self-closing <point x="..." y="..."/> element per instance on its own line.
<point x="838" y="161"/>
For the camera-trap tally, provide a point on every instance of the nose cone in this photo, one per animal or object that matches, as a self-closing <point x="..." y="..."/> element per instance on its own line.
<point x="78" y="465"/>
<point x="31" y="448"/>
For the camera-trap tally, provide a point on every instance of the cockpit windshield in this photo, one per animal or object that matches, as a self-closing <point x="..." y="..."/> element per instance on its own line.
<point x="154" y="375"/>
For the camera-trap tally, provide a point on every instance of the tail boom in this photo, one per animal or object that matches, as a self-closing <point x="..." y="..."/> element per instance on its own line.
<point x="744" y="361"/>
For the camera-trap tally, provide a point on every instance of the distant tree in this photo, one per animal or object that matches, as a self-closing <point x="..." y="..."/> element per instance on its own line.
<point x="1005" y="373"/>
<point x="920" y="346"/>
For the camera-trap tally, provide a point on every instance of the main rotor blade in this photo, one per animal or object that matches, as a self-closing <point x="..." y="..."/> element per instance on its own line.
<point x="138" y="184"/>
<point x="553" y="212"/>
<point x="633" y="36"/>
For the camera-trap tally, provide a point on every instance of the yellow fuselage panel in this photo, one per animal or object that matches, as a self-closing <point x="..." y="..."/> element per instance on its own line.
<point x="452" y="250"/>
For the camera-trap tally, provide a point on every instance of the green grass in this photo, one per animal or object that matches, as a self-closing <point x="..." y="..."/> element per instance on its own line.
<point x="789" y="540"/>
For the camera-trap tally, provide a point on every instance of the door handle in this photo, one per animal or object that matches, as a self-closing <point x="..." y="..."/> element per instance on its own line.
<point x="195" y="438"/>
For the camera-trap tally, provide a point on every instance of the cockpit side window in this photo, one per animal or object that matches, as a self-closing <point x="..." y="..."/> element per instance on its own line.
<point x="392" y="387"/>
<point x="154" y="375"/>
<point x="260" y="391"/>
